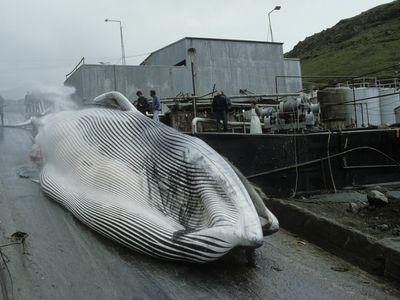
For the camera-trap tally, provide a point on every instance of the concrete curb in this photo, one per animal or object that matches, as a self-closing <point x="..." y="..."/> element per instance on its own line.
<point x="381" y="257"/>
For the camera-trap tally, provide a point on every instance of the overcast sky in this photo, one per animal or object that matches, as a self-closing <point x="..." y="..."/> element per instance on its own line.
<point x="42" y="40"/>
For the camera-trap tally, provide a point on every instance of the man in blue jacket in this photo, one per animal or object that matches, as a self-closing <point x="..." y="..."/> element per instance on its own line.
<point x="156" y="105"/>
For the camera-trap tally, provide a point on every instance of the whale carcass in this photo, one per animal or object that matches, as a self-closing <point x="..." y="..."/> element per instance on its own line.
<point x="144" y="184"/>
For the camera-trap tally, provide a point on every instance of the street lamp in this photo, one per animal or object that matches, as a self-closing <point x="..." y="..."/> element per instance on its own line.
<point x="269" y="18"/>
<point x="122" y="39"/>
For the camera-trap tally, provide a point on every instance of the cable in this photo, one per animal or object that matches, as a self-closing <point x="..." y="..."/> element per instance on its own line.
<point x="295" y="161"/>
<point x="322" y="159"/>
<point x="10" y="244"/>
<point x="329" y="162"/>
<point x="138" y="55"/>
<point x="4" y="259"/>
<point x="297" y="169"/>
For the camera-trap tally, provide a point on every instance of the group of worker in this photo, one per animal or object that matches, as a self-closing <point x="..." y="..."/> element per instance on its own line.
<point x="220" y="105"/>
<point x="142" y="104"/>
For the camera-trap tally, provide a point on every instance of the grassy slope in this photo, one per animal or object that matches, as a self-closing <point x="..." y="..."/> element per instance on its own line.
<point x="354" y="46"/>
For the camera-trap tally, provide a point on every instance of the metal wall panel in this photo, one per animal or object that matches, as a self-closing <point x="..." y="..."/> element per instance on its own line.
<point x="292" y="68"/>
<point x="230" y="65"/>
<point x="93" y="80"/>
<point x="235" y="65"/>
<point x="169" y="55"/>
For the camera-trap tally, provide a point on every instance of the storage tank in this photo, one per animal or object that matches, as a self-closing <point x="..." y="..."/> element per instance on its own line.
<point x="388" y="104"/>
<point x="368" y="111"/>
<point x="397" y="114"/>
<point x="336" y="113"/>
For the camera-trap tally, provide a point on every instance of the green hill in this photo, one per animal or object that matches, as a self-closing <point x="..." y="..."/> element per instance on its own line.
<point x="354" y="46"/>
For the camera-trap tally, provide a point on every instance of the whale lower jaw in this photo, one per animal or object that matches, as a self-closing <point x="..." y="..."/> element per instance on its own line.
<point x="146" y="232"/>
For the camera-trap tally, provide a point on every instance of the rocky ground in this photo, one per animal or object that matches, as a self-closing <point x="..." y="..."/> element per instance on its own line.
<point x="374" y="210"/>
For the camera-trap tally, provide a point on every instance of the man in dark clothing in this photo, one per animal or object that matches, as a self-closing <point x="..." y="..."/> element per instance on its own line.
<point x="220" y="108"/>
<point x="141" y="103"/>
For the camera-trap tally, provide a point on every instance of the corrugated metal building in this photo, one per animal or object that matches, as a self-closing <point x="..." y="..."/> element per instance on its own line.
<point x="195" y="65"/>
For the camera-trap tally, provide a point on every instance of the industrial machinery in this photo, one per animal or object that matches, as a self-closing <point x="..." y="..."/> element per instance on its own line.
<point x="291" y="114"/>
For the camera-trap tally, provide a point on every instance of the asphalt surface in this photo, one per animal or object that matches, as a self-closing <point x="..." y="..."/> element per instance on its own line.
<point x="63" y="259"/>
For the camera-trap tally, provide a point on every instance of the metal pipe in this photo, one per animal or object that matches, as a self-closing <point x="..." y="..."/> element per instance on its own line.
<point x="355" y="107"/>
<point x="235" y="96"/>
<point x="193" y="81"/>
<point x="192" y="53"/>
<point x="371" y="166"/>
<point x="207" y="104"/>
<point x="362" y="115"/>
<point x="205" y="120"/>
<point x="115" y="79"/>
<point x="197" y="120"/>
<point x="194" y="91"/>
<point x="276" y="87"/>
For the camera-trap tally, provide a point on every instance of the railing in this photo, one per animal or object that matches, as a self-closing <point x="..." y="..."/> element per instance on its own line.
<point x="389" y="83"/>
<point x="81" y="62"/>
<point x="372" y="82"/>
<point x="197" y="120"/>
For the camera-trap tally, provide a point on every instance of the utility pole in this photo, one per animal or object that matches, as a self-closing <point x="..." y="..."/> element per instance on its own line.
<point x="122" y="39"/>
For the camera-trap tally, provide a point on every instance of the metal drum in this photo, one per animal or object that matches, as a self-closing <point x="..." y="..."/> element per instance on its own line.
<point x="336" y="113"/>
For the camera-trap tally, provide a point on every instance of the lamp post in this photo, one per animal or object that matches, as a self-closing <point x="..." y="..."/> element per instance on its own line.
<point x="269" y="19"/>
<point x="122" y="39"/>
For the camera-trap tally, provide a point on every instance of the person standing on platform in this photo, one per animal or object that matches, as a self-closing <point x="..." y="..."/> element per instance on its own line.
<point x="142" y="104"/>
<point x="255" y="124"/>
<point x="220" y="108"/>
<point x="156" y="105"/>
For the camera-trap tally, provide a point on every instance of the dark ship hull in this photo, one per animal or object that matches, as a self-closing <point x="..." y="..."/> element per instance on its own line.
<point x="292" y="164"/>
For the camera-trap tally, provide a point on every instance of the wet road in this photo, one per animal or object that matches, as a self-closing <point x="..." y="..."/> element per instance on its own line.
<point x="63" y="259"/>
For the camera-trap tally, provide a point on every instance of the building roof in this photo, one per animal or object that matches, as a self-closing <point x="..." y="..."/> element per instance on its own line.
<point x="208" y="39"/>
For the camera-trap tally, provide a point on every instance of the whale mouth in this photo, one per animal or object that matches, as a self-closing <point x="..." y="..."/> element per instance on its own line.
<point x="269" y="223"/>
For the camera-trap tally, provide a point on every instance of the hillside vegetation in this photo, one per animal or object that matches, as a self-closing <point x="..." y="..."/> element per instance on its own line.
<point x="354" y="46"/>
